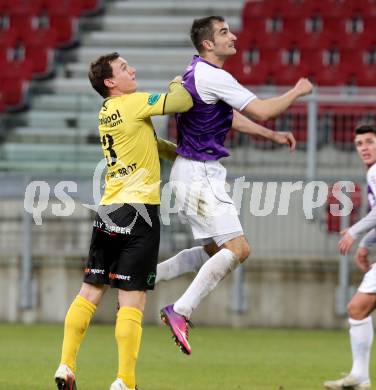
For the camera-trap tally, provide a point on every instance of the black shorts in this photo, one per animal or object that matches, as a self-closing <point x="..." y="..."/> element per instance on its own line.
<point x="124" y="247"/>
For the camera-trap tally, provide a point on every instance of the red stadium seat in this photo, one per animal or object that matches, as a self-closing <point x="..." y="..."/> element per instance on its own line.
<point x="90" y="6"/>
<point x="257" y="9"/>
<point x="294" y="9"/>
<point x="14" y="92"/>
<point x="7" y="40"/>
<point x="246" y="72"/>
<point x="344" y="120"/>
<point x="39" y="52"/>
<point x="254" y="75"/>
<point x="366" y="76"/>
<point x="23" y="6"/>
<point x="334" y="9"/>
<point x="338" y="27"/>
<point x="322" y="73"/>
<point x="20" y="20"/>
<point x="14" y="83"/>
<point x="264" y="39"/>
<point x="65" y="27"/>
<point x="289" y="74"/>
<point x="353" y="62"/>
<point x="255" y="28"/>
<point x="4" y="6"/>
<point x="66" y="7"/>
<point x="304" y="39"/>
<point x="348" y="35"/>
<point x="2" y="103"/>
<point x="364" y="7"/>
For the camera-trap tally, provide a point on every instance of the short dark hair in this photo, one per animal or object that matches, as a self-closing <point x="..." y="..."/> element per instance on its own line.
<point x="100" y="70"/>
<point x="363" y="129"/>
<point x="203" y="29"/>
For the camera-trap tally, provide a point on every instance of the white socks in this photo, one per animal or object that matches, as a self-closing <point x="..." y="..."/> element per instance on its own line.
<point x="361" y="337"/>
<point x="210" y="274"/>
<point x="186" y="261"/>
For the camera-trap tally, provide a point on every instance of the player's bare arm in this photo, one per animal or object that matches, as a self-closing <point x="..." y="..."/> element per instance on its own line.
<point x="354" y="232"/>
<point x="264" y="109"/>
<point x="244" y="125"/>
<point x="346" y="242"/>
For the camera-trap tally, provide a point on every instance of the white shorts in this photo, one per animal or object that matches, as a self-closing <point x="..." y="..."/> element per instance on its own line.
<point x="202" y="199"/>
<point x="368" y="285"/>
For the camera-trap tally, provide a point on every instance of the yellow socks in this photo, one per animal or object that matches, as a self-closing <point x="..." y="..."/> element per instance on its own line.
<point x="128" y="332"/>
<point x="76" y="322"/>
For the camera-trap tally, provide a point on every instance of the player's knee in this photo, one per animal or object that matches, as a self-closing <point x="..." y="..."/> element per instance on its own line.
<point x="240" y="248"/>
<point x="244" y="252"/>
<point x="92" y="292"/>
<point x="355" y="312"/>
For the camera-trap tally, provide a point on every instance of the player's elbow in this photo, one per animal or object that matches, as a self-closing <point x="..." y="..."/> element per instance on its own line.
<point x="262" y="116"/>
<point x="258" y="110"/>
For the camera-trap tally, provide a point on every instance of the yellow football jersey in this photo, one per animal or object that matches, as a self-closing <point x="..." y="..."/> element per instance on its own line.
<point x="129" y="144"/>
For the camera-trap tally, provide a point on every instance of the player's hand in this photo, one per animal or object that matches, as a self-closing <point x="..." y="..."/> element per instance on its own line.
<point x="285" y="138"/>
<point x="303" y="87"/>
<point x="345" y="243"/>
<point x="361" y="259"/>
<point x="178" y="79"/>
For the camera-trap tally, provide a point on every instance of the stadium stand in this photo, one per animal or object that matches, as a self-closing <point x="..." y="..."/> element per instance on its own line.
<point x="30" y="31"/>
<point x="65" y="104"/>
<point x="321" y="32"/>
<point x="277" y="43"/>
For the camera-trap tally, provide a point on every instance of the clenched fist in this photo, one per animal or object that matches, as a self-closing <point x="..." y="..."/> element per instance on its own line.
<point x="303" y="87"/>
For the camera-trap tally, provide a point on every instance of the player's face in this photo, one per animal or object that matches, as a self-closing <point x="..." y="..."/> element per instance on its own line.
<point x="123" y="76"/>
<point x="224" y="40"/>
<point x="366" y="147"/>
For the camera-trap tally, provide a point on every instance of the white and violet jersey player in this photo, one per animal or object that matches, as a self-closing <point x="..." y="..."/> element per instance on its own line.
<point x="202" y="199"/>
<point x="368" y="224"/>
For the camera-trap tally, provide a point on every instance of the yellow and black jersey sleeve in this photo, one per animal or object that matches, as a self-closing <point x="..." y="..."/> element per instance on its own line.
<point x="147" y="105"/>
<point x="178" y="99"/>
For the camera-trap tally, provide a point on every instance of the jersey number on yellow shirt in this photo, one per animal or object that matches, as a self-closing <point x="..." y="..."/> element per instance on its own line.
<point x="108" y="142"/>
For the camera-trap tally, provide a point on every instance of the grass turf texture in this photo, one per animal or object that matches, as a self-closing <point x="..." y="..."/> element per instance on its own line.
<point x="223" y="358"/>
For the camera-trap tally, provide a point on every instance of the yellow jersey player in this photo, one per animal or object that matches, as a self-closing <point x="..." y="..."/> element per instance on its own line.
<point x="125" y="240"/>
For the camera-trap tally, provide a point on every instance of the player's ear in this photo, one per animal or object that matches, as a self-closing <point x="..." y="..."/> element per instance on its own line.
<point x="108" y="83"/>
<point x="207" y="45"/>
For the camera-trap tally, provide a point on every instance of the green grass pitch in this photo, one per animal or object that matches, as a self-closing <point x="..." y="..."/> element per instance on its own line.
<point x="222" y="358"/>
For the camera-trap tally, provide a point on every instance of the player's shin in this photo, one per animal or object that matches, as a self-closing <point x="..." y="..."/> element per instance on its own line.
<point x="128" y="333"/>
<point x="76" y="323"/>
<point x="361" y="337"/>
<point x="210" y="274"/>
